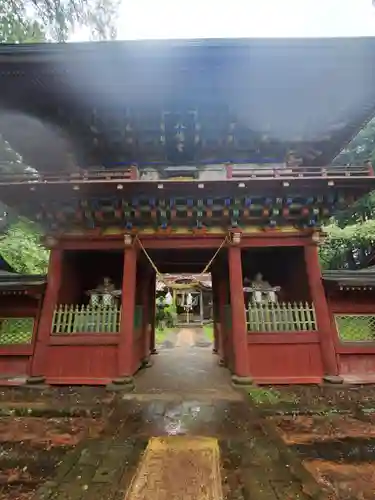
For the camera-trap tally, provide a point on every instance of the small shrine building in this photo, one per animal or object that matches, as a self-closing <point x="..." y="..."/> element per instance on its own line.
<point x="155" y="158"/>
<point x="191" y="296"/>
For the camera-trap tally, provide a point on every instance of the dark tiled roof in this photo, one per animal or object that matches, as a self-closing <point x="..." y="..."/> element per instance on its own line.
<point x="16" y="281"/>
<point x="343" y="277"/>
<point x="311" y="95"/>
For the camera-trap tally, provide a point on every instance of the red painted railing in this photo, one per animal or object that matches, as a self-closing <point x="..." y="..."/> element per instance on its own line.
<point x="230" y="172"/>
<point x="81" y="175"/>
<point x="267" y="172"/>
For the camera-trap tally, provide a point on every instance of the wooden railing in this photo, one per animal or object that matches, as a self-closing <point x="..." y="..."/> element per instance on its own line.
<point x="273" y="171"/>
<point x="281" y="317"/>
<point x="70" y="319"/>
<point x="217" y="172"/>
<point x="103" y="175"/>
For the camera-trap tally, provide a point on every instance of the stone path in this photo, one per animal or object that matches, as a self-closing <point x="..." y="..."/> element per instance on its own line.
<point x="178" y="468"/>
<point x="254" y="465"/>
<point x="185" y="337"/>
<point x="185" y="371"/>
<point x="166" y="440"/>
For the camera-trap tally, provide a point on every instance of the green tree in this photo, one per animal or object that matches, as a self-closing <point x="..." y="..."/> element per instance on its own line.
<point x="16" y="26"/>
<point x="360" y="149"/>
<point x="21" y="248"/>
<point x="351" y="233"/>
<point x="37" y="20"/>
<point x="348" y="247"/>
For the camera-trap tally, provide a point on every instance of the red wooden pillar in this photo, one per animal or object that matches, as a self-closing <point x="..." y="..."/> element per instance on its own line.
<point x="223" y="333"/>
<point x="147" y="287"/>
<point x="215" y="311"/>
<point x="215" y="347"/>
<point x="152" y="315"/>
<point x="46" y="316"/>
<point x="126" y="350"/>
<point x="323" y="318"/>
<point x="239" y="328"/>
<point x="145" y="300"/>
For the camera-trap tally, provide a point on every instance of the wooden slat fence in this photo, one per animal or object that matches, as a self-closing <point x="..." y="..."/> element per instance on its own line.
<point x="86" y="319"/>
<point x="281" y="317"/>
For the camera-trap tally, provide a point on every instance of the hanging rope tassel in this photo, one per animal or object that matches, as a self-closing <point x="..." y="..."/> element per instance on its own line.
<point x="180" y="286"/>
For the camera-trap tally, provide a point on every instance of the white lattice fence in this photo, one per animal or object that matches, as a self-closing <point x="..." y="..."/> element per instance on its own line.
<point x="86" y="318"/>
<point x="281" y="317"/>
<point x="355" y="327"/>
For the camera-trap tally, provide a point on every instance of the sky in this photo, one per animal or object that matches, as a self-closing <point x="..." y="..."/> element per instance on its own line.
<point x="245" y="18"/>
<point x="163" y="19"/>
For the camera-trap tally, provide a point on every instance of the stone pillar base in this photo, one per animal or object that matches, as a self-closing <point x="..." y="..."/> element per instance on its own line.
<point x="33" y="381"/>
<point x="154" y="351"/>
<point x="125" y="384"/>
<point x="333" y="379"/>
<point x="147" y="363"/>
<point x="221" y="362"/>
<point x="214" y="350"/>
<point x="241" y="381"/>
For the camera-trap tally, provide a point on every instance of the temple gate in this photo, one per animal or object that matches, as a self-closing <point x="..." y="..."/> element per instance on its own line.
<point x="159" y="173"/>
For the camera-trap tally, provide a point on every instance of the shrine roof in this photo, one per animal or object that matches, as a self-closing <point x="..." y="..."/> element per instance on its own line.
<point x="203" y="280"/>
<point x="351" y="278"/>
<point x="244" y="100"/>
<point x="16" y="281"/>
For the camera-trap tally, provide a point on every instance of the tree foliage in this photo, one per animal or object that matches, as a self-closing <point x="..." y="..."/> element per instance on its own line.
<point x="17" y="27"/>
<point x="351" y="235"/>
<point x="30" y="21"/>
<point x="360" y="149"/>
<point x="21" y="248"/>
<point x="348" y="247"/>
<point x="63" y="16"/>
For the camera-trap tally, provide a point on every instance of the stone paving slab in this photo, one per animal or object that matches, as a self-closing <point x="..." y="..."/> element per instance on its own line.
<point x="178" y="468"/>
<point x="92" y="470"/>
<point x="206" y="396"/>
